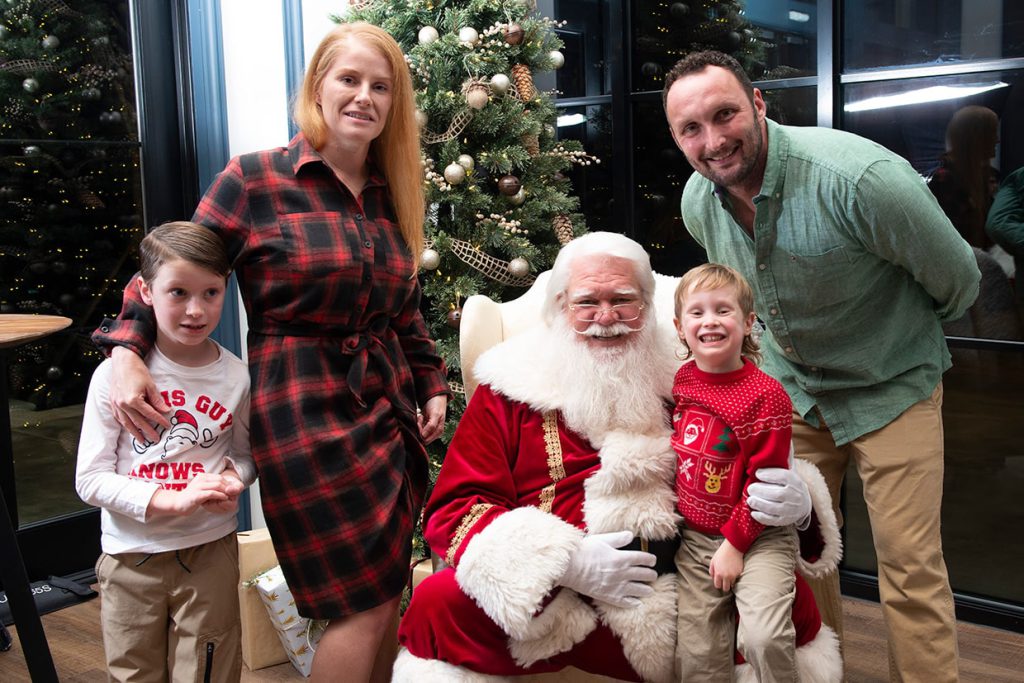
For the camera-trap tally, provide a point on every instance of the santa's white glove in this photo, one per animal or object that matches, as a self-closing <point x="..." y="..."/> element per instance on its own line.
<point x="779" y="497"/>
<point x="599" y="569"/>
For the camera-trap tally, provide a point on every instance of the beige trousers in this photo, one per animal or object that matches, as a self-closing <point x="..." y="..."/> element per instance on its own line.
<point x="172" y="616"/>
<point x="901" y="466"/>
<point x="763" y="597"/>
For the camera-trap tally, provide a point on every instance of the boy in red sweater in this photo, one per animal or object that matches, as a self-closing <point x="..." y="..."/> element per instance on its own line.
<point x="730" y="419"/>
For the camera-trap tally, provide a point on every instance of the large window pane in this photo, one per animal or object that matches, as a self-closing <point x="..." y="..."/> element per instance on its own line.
<point x="585" y="73"/>
<point x="887" y="33"/>
<point x="771" y="40"/>
<point x="70" y="220"/>
<point x="592" y="126"/>
<point x="984" y="475"/>
<point x="963" y="145"/>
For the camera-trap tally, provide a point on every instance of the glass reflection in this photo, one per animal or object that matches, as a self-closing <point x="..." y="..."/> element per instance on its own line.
<point x="770" y="40"/>
<point x="963" y="143"/>
<point x="585" y="73"/>
<point x="888" y="33"/>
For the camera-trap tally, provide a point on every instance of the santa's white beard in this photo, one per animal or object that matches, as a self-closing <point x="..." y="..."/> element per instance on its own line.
<point x="612" y="388"/>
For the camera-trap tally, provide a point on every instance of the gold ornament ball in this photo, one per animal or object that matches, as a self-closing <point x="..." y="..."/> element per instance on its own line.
<point x="430" y="259"/>
<point x="513" y="34"/>
<point x="519" y="267"/>
<point x="518" y="198"/>
<point x="466" y="162"/>
<point x="557" y="58"/>
<point x="454" y="317"/>
<point x="508" y="185"/>
<point x="454" y="173"/>
<point x="427" y="35"/>
<point x="477" y="98"/>
<point x="500" y="83"/>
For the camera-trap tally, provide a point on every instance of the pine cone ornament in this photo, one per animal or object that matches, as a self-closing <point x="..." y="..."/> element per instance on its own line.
<point x="562" y="225"/>
<point x="524" y="82"/>
<point x="532" y="143"/>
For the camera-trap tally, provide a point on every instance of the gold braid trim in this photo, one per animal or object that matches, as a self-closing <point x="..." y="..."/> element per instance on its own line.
<point x="471" y="518"/>
<point x="553" y="447"/>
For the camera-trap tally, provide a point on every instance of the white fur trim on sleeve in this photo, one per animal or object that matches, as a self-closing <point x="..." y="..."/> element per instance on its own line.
<point x="821" y="501"/>
<point x="412" y="669"/>
<point x="513" y="564"/>
<point x="565" y="621"/>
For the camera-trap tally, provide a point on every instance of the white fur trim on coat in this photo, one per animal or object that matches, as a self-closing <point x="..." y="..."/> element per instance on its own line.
<point x="817" y="661"/>
<point x="519" y="369"/>
<point x="412" y="669"/>
<point x="514" y="563"/>
<point x="821" y="501"/>
<point x="565" y="621"/>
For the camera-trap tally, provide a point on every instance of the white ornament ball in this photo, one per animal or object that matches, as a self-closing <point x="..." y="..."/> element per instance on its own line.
<point x="519" y="267"/>
<point x="500" y="83"/>
<point x="427" y="35"/>
<point x="518" y="198"/>
<point x="468" y="36"/>
<point x="454" y="173"/>
<point x="430" y="259"/>
<point x="30" y="85"/>
<point x="51" y="42"/>
<point x="421" y="118"/>
<point x="477" y="98"/>
<point x="466" y="162"/>
<point x="557" y="58"/>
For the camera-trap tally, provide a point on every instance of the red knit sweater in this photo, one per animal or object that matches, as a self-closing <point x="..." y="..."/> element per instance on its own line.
<point x="726" y="426"/>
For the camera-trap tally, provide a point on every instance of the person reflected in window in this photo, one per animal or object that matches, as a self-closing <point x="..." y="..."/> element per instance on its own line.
<point x="1005" y="222"/>
<point x="347" y="387"/>
<point x="965" y="182"/>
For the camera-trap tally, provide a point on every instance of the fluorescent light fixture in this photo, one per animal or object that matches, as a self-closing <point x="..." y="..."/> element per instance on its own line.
<point x="800" y="17"/>
<point x="936" y="93"/>
<point x="571" y="120"/>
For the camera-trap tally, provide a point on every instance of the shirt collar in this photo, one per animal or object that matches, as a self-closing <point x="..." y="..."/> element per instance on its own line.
<point x="303" y="154"/>
<point x="775" y="166"/>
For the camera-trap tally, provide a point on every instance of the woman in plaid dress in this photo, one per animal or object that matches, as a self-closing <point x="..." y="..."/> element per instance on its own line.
<point x="325" y="236"/>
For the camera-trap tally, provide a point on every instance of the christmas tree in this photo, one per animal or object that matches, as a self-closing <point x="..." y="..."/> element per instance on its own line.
<point x="499" y="200"/>
<point x="69" y="224"/>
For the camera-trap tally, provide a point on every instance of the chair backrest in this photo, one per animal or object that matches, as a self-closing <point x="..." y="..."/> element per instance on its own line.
<point x="486" y="322"/>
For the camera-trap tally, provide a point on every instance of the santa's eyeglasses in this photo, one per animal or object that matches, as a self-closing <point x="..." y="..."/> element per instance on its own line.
<point x="625" y="312"/>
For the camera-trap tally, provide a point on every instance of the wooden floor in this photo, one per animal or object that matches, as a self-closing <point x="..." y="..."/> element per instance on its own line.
<point x="986" y="655"/>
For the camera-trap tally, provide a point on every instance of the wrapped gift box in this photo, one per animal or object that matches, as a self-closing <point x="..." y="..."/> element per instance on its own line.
<point x="297" y="635"/>
<point x="260" y="645"/>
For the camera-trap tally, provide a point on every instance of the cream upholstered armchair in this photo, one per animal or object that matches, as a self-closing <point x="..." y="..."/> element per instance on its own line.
<point x="486" y="322"/>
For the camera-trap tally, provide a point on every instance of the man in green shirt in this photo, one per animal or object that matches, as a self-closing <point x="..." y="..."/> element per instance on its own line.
<point x="854" y="267"/>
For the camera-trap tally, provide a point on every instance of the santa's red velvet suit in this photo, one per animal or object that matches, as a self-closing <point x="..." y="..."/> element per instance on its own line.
<point x="515" y="496"/>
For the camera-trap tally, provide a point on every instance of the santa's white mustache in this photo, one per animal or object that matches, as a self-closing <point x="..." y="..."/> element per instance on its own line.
<point x="614" y="330"/>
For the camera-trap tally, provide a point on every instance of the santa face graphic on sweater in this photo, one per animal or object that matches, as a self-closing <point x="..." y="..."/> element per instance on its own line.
<point x="183" y="435"/>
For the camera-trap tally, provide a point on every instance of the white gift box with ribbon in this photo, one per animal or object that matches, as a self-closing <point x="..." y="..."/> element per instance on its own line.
<point x="298" y="635"/>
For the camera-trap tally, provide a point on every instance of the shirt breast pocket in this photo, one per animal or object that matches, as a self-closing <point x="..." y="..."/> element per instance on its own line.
<point x="821" y="279"/>
<point x="320" y="244"/>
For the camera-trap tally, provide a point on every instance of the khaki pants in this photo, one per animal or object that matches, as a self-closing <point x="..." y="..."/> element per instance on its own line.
<point x="763" y="596"/>
<point x="901" y="466"/>
<point x="172" y="616"/>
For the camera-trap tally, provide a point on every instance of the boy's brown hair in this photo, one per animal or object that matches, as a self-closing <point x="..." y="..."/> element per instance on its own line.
<point x="186" y="241"/>
<point x="718" y="276"/>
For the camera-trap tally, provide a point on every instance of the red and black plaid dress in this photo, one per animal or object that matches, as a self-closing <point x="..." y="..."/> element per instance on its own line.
<point x="338" y="355"/>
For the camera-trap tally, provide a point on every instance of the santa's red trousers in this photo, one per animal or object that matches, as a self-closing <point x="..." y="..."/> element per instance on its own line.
<point x="444" y="623"/>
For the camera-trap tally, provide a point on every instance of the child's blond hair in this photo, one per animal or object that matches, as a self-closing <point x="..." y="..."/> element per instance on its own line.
<point x="718" y="276"/>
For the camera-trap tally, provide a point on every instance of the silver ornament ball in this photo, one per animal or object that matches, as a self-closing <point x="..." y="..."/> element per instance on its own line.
<point x="500" y="83"/>
<point x="30" y="85"/>
<point x="519" y="267"/>
<point x="430" y="259"/>
<point x="518" y="198"/>
<point x="557" y="58"/>
<point x="466" y="162"/>
<point x="468" y="36"/>
<point x="454" y="173"/>
<point x="51" y="42"/>
<point x="427" y="35"/>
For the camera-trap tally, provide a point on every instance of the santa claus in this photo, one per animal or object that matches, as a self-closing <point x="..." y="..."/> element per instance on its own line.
<point x="555" y="509"/>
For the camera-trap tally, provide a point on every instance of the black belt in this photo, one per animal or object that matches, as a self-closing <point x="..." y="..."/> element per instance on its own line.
<point x="664" y="551"/>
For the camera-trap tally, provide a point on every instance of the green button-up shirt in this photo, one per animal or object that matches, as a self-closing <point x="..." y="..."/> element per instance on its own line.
<point x="854" y="266"/>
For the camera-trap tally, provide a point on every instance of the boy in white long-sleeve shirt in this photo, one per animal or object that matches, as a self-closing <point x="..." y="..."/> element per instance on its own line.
<point x="168" y="573"/>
